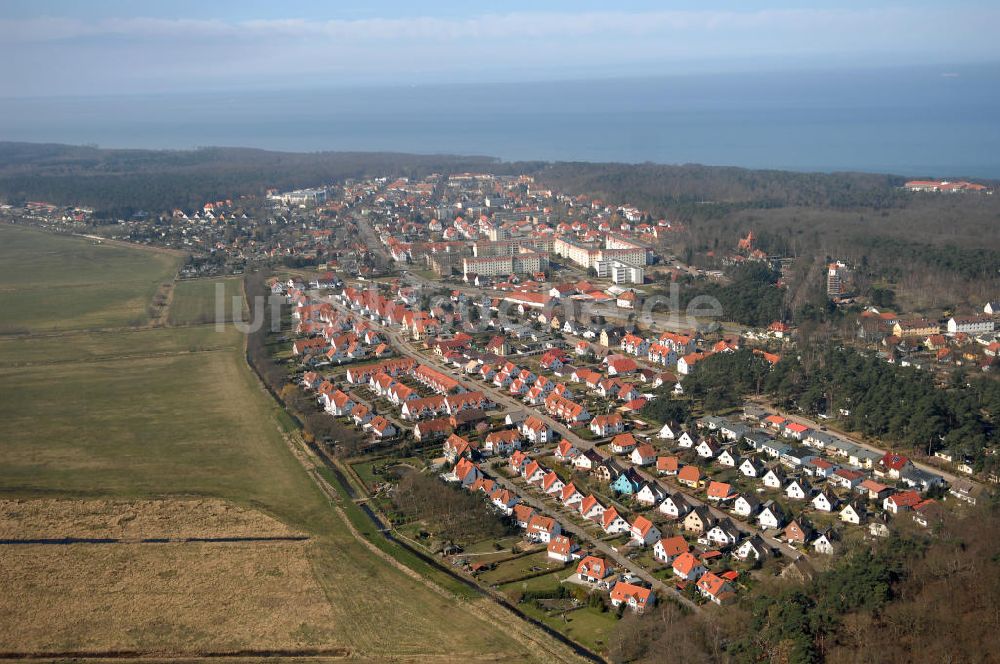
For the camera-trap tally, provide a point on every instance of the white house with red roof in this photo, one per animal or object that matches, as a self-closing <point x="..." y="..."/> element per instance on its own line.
<point x="686" y="566"/>
<point x="593" y="570"/>
<point x="716" y="589"/>
<point x="465" y="473"/>
<point x="665" y="550"/>
<point x="643" y="455"/>
<point x="635" y="597"/>
<point x="643" y="531"/>
<point x="563" y="549"/>
<point x="381" y="427"/>
<point x="612" y="522"/>
<point x="607" y="425"/>
<point x="536" y="430"/>
<point x="542" y="529"/>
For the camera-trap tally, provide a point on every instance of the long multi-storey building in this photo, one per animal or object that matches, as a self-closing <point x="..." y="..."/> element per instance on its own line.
<point x="588" y="255"/>
<point x="525" y="261"/>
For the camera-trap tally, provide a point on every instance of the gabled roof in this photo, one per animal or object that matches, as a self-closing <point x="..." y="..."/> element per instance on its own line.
<point x="674" y="546"/>
<point x="685" y="563"/>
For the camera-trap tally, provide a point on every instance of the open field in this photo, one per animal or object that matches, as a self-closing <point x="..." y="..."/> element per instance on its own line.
<point x="195" y="300"/>
<point x="162" y="598"/>
<point x="111" y="345"/>
<point x="54" y="282"/>
<point x="164" y="432"/>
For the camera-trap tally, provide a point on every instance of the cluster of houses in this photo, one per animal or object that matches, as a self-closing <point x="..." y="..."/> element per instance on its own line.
<point x="966" y="340"/>
<point x="327" y="335"/>
<point x="675" y="552"/>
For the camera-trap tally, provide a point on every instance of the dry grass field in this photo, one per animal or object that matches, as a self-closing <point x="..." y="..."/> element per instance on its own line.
<point x="165" y="433"/>
<point x="134" y="519"/>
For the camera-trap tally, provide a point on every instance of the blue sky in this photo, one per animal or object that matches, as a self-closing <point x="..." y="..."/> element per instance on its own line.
<point x="80" y="47"/>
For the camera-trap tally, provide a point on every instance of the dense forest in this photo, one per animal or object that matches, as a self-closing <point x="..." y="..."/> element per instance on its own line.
<point x="688" y="187"/>
<point x="910" y="598"/>
<point x="752" y="296"/>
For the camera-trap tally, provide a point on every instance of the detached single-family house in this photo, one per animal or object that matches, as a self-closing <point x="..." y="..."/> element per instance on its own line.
<point x="593" y="570"/>
<point x="666" y="550"/>
<point x="824" y="502"/>
<point x="628" y="483"/>
<point x="771" y="515"/>
<point x="708" y="449"/>
<point x="589" y="460"/>
<point x="901" y="502"/>
<point x="570" y="495"/>
<point x="729" y="458"/>
<point x="591" y="508"/>
<point x="746" y="505"/>
<point x="542" y="529"/>
<point x="690" y="476"/>
<point x="751" y="468"/>
<point x="798" y="490"/>
<point x="667" y="465"/>
<point x="716" y="589"/>
<point x="724" y="533"/>
<point x="565" y="451"/>
<point x="612" y="522"/>
<point x="623" y="443"/>
<point x="675" y="506"/>
<point x="686" y="440"/>
<point x="686" y="566"/>
<point x="752" y="547"/>
<point x="667" y="432"/>
<point x="822" y="544"/>
<point x="643" y="455"/>
<point x="853" y="513"/>
<point x="644" y="532"/>
<point x="698" y="520"/>
<point x="563" y="549"/>
<point x="774" y="479"/>
<point x="650" y="494"/>
<point x="797" y="532"/>
<point x="607" y="425"/>
<point x="720" y="492"/>
<point x="637" y="598"/>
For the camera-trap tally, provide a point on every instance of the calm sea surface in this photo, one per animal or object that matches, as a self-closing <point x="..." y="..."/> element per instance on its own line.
<point x="937" y="121"/>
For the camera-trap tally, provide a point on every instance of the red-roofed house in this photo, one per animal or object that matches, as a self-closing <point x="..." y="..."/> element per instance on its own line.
<point x="637" y="598"/>
<point x="715" y="588"/>
<point x="593" y="570"/>
<point x="644" y="532"/>
<point x="563" y="548"/>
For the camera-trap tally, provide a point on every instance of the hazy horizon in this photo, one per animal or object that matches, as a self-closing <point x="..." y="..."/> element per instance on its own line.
<point x="820" y="85"/>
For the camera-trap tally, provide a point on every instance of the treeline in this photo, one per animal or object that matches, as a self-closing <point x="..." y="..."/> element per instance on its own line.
<point x="912" y="598"/>
<point x="695" y="190"/>
<point x="118" y="183"/>
<point x="446" y="510"/>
